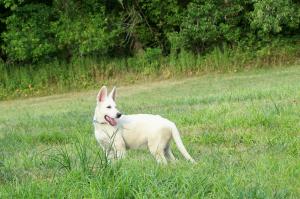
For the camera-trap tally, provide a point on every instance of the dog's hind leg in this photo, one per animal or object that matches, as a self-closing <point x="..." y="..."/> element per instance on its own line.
<point x="160" y="157"/>
<point x="158" y="152"/>
<point x="168" y="153"/>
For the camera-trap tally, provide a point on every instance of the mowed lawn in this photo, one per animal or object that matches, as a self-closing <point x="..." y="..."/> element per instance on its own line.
<point x="243" y="129"/>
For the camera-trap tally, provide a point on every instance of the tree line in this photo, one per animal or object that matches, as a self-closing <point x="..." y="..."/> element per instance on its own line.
<point x="33" y="30"/>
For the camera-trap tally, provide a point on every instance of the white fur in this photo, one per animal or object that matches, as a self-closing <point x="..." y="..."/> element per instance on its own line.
<point x="134" y="131"/>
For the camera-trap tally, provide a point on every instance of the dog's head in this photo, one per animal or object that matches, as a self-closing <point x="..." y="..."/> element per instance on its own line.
<point x="106" y="109"/>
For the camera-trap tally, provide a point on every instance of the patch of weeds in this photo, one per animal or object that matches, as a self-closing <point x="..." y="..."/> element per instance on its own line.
<point x="209" y="138"/>
<point x="78" y="156"/>
<point x="6" y="173"/>
<point x="53" y="137"/>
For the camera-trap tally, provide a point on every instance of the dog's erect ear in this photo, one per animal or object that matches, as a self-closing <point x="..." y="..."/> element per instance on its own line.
<point x="102" y="94"/>
<point x="113" y="93"/>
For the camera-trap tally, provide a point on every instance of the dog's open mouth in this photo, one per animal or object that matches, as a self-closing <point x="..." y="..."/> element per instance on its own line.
<point x="110" y="120"/>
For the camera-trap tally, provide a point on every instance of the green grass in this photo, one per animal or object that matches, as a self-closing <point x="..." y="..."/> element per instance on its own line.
<point x="243" y="129"/>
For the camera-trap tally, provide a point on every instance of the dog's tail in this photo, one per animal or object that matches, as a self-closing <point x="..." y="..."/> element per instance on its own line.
<point x="179" y="143"/>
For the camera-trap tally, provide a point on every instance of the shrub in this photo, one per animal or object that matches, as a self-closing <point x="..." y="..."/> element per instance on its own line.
<point x="28" y="36"/>
<point x="274" y="16"/>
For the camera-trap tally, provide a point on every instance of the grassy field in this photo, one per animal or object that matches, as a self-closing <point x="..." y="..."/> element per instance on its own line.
<point x="243" y="129"/>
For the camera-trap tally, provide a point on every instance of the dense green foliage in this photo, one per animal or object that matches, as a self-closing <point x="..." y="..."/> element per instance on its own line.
<point x="243" y="130"/>
<point x="54" y="46"/>
<point x="42" y="30"/>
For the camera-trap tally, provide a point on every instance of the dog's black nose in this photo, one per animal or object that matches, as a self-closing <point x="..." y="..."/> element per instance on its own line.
<point x="119" y="115"/>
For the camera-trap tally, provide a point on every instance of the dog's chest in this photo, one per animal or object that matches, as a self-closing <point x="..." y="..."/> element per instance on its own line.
<point x="105" y="132"/>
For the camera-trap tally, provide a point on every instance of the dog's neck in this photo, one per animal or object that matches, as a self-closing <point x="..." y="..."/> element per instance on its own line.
<point x="105" y="127"/>
<point x="98" y="122"/>
<point x="102" y="124"/>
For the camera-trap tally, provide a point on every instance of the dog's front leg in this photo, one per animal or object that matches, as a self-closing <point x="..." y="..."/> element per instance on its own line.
<point x="108" y="147"/>
<point x="114" y="153"/>
<point x="120" y="146"/>
<point x="116" y="148"/>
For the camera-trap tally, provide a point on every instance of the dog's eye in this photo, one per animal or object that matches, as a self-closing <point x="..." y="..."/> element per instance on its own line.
<point x="108" y="107"/>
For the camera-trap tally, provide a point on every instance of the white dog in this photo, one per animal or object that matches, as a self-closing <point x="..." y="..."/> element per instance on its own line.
<point x="116" y="132"/>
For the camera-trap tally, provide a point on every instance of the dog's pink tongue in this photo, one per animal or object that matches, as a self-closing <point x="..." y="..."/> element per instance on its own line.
<point x="110" y="120"/>
<point x="113" y="122"/>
